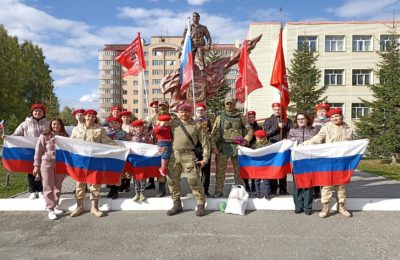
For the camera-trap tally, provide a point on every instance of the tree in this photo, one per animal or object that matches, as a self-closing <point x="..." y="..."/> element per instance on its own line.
<point x="304" y="77"/>
<point x="67" y="117"/>
<point x="382" y="124"/>
<point x="215" y="104"/>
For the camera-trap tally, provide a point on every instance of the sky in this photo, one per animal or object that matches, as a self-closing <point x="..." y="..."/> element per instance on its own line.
<point x="72" y="32"/>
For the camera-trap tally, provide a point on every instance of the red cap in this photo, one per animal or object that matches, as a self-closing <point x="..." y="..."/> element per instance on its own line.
<point x="38" y="106"/>
<point x="321" y="106"/>
<point x="154" y="103"/>
<point x="260" y="134"/>
<point x="251" y="113"/>
<point x="276" y="105"/>
<point x="116" y="108"/>
<point x="78" y="111"/>
<point x="91" y="112"/>
<point x="334" y="112"/>
<point x="201" y="105"/>
<point x="137" y="123"/>
<point x="184" y="107"/>
<point x="164" y="118"/>
<point x="114" y="119"/>
<point x="125" y="113"/>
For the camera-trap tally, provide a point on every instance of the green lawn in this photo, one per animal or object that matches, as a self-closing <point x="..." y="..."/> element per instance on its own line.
<point x="17" y="183"/>
<point x="381" y="168"/>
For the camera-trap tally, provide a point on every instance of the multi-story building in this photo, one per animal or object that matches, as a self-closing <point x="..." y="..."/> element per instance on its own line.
<point x="347" y="59"/>
<point x="135" y="92"/>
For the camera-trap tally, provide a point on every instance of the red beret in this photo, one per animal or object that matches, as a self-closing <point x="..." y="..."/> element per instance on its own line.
<point x="116" y="108"/>
<point x="154" y="103"/>
<point x="114" y="119"/>
<point x="201" y="105"/>
<point x="125" y="113"/>
<point x="164" y="118"/>
<point x="38" y="106"/>
<point x="260" y="134"/>
<point x="276" y="105"/>
<point x="78" y="111"/>
<point x="324" y="106"/>
<point x="184" y="107"/>
<point x="334" y="112"/>
<point x="137" y="123"/>
<point x="91" y="112"/>
<point x="251" y="113"/>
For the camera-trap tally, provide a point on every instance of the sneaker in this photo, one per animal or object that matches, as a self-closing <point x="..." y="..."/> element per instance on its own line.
<point x="41" y="195"/>
<point x="142" y="197"/>
<point x="136" y="198"/>
<point x="58" y="211"/>
<point x="32" y="196"/>
<point x="52" y="215"/>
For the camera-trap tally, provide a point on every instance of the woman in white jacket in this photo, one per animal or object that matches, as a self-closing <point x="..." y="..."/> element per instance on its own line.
<point x="33" y="126"/>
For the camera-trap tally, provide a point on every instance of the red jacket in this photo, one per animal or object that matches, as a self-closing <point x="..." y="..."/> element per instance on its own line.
<point x="162" y="133"/>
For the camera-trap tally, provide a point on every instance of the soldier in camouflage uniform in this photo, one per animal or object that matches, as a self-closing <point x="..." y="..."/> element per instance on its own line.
<point x="186" y="134"/>
<point x="230" y="130"/>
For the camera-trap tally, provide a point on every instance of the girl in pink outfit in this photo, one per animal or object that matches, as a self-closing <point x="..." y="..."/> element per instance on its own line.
<point x="45" y="163"/>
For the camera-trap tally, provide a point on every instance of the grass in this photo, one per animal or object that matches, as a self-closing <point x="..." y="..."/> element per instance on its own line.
<point x="379" y="167"/>
<point x="17" y="183"/>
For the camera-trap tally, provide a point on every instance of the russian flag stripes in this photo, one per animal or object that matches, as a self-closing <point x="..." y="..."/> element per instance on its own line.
<point x="326" y="164"/>
<point x="270" y="162"/>
<point x="18" y="153"/>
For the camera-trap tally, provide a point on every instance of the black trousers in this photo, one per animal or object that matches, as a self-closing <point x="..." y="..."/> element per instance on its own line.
<point x="302" y="198"/>
<point x="272" y="185"/>
<point x="34" y="186"/>
<point x="205" y="173"/>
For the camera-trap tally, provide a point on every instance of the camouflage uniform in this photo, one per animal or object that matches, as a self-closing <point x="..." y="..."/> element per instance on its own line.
<point x="227" y="127"/>
<point x="183" y="159"/>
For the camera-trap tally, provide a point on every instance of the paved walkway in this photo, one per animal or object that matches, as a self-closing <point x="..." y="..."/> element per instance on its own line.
<point x="362" y="185"/>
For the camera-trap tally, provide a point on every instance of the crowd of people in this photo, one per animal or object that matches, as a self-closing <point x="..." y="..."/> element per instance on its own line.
<point x="186" y="143"/>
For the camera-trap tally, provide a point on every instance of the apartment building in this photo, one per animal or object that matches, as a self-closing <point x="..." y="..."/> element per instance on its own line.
<point x="135" y="92"/>
<point x="347" y="59"/>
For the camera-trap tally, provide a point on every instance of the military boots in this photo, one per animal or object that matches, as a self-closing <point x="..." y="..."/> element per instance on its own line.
<point x="177" y="208"/>
<point x="200" y="211"/>
<point x="79" y="209"/>
<point x="325" y="210"/>
<point x="343" y="210"/>
<point x="95" y="209"/>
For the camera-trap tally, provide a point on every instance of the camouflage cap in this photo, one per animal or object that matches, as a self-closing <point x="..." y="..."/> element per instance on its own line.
<point x="230" y="98"/>
<point x="163" y="102"/>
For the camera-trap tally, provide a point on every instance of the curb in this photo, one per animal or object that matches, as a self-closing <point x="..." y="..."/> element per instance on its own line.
<point x="282" y="203"/>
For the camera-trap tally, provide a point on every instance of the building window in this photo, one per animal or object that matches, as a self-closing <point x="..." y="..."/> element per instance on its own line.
<point x="170" y="53"/>
<point x="334" y="43"/>
<point x="146" y="53"/>
<point x="157" y="53"/>
<point x="385" y="42"/>
<point x="232" y="91"/>
<point x="358" y="110"/>
<point x="135" y="110"/>
<point x="135" y="92"/>
<point x="232" y="72"/>
<point x="105" y="109"/>
<point x="146" y="72"/>
<point x="169" y="71"/>
<point x="135" y="101"/>
<point x="156" y="81"/>
<point x="362" y="43"/>
<point x="135" y="83"/>
<point x="337" y="105"/>
<point x="145" y="91"/>
<point x="124" y="92"/>
<point x="145" y="111"/>
<point x="124" y="101"/>
<point x="156" y="91"/>
<point x="334" y="77"/>
<point x="124" y="82"/>
<point x="157" y="62"/>
<point x="170" y="62"/>
<point x="361" y="77"/>
<point x="230" y="81"/>
<point x="157" y="72"/>
<point x="310" y="42"/>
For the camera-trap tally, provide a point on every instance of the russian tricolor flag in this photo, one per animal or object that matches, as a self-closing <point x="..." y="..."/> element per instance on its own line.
<point x="327" y="164"/>
<point x="143" y="161"/>
<point x="18" y="153"/>
<point x="270" y="162"/>
<point x="90" y="162"/>
<point x="186" y="67"/>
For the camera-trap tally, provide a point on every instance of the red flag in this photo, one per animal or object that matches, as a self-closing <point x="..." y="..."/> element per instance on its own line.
<point x="278" y="77"/>
<point x="132" y="58"/>
<point x="247" y="75"/>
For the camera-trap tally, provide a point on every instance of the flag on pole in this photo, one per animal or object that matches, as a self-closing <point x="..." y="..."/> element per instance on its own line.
<point x="279" y="79"/>
<point x="132" y="58"/>
<point x="270" y="162"/>
<point x="186" y="67"/>
<point x="247" y="75"/>
<point x="326" y="164"/>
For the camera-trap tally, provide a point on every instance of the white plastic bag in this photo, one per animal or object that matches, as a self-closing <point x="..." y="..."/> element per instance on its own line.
<point x="237" y="200"/>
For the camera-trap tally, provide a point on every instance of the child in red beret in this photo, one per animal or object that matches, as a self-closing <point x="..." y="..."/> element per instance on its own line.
<point x="162" y="132"/>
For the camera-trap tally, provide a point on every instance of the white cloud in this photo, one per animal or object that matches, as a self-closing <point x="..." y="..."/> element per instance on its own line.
<point x="362" y="8"/>
<point x="197" y="2"/>
<point x="72" y="76"/>
<point x="75" y="103"/>
<point x="92" y="97"/>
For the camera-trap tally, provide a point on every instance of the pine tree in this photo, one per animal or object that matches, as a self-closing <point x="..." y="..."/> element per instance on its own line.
<point x="303" y="78"/>
<point x="215" y="104"/>
<point x="67" y="117"/>
<point x="382" y="124"/>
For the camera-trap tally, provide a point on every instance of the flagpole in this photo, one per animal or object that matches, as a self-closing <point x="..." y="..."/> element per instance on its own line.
<point x="144" y="81"/>
<point x="193" y="93"/>
<point x="280" y="84"/>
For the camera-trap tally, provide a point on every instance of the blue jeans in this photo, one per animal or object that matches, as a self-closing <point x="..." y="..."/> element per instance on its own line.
<point x="166" y="155"/>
